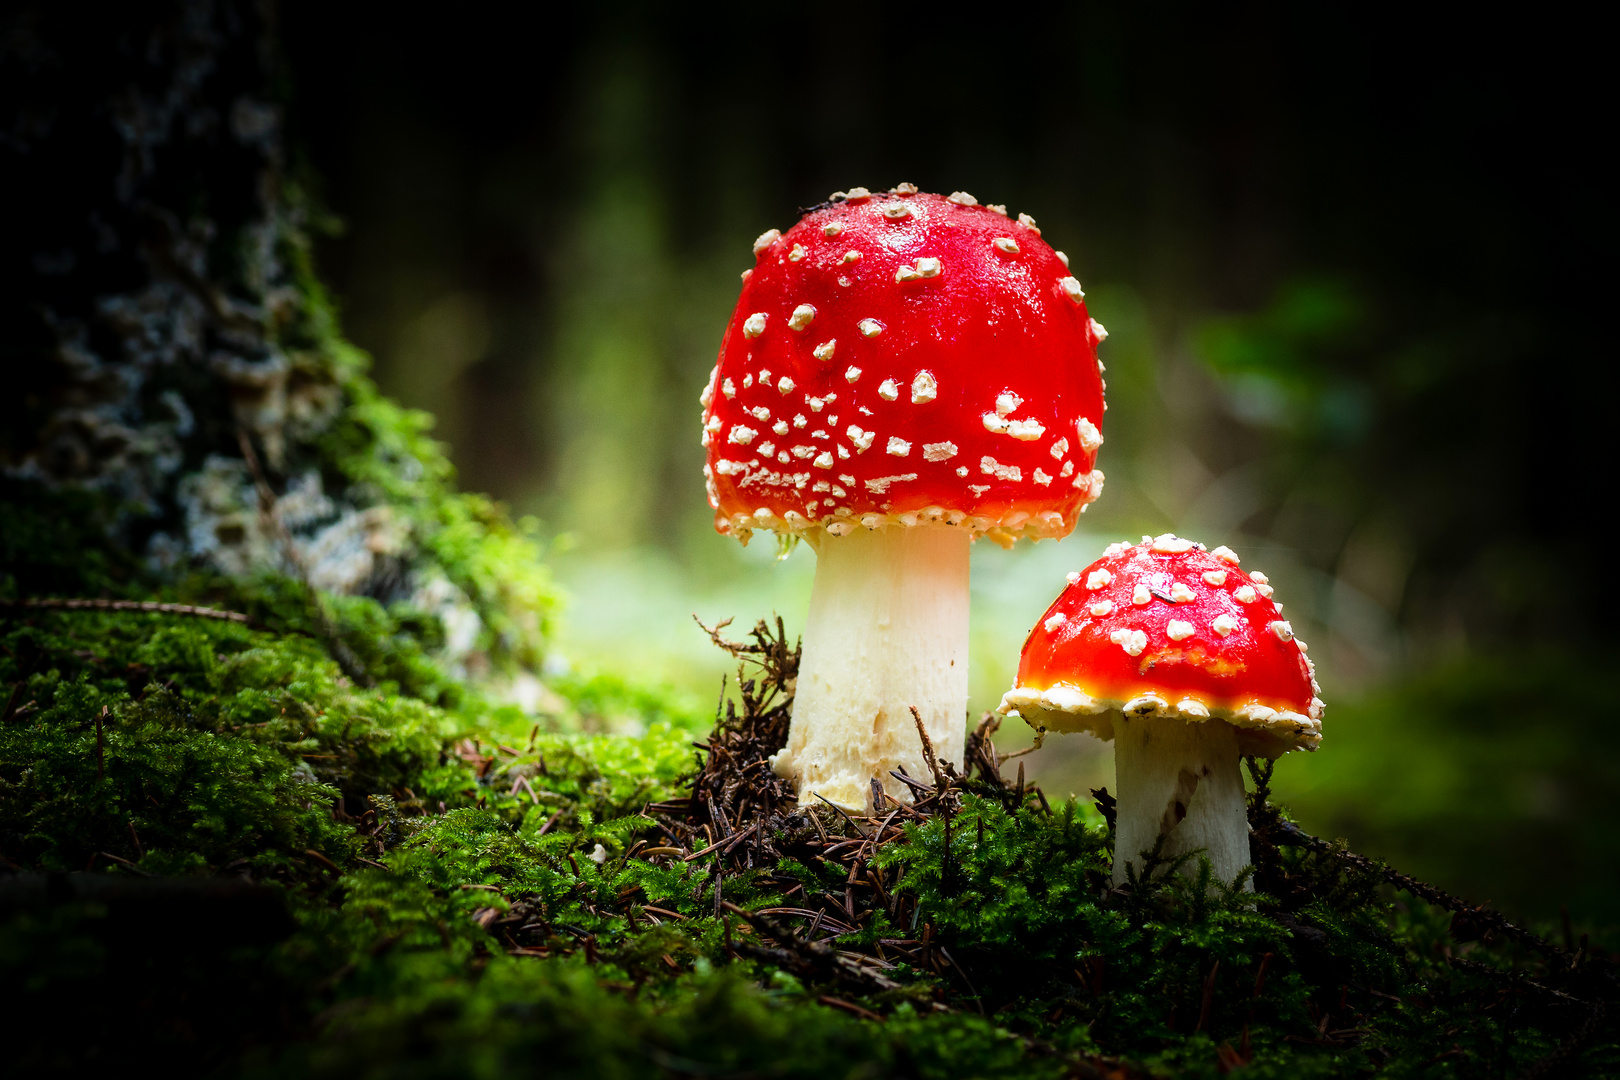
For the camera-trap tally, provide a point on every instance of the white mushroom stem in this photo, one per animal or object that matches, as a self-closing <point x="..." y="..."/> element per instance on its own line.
<point x="1181" y="781"/>
<point x="888" y="630"/>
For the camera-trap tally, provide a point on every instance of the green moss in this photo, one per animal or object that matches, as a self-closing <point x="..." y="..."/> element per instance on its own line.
<point x="470" y="892"/>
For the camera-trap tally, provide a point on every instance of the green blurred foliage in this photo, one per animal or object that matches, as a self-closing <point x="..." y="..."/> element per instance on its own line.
<point x="1274" y="362"/>
<point x="1481" y="774"/>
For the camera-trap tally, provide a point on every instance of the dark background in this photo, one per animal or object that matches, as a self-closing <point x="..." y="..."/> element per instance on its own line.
<point x="1355" y="261"/>
<point x="1417" y="204"/>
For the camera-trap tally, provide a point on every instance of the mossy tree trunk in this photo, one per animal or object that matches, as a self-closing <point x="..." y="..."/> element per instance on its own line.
<point x="173" y="364"/>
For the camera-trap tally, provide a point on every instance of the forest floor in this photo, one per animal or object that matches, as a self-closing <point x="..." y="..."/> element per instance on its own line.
<point x="233" y="860"/>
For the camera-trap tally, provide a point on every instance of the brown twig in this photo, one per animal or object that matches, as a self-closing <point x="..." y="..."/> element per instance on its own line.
<point x="848" y="1006"/>
<point x="149" y="607"/>
<point x="839" y="810"/>
<point x="11" y="702"/>
<point x="980" y="752"/>
<point x="733" y="840"/>
<point x="928" y="750"/>
<point x="323" y="860"/>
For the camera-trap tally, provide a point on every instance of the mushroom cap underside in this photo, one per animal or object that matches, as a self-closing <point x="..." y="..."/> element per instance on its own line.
<point x="1066" y="708"/>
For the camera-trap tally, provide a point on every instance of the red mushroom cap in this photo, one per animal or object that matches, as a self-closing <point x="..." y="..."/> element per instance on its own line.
<point x="1167" y="628"/>
<point x="902" y="358"/>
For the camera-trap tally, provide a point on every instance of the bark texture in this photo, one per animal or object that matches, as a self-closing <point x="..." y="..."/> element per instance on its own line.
<point x="171" y="355"/>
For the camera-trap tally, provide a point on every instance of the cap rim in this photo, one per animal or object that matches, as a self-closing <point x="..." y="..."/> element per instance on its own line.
<point x="1067" y="707"/>
<point x="1005" y="529"/>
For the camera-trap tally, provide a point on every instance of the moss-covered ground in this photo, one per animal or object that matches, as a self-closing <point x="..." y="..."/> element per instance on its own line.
<point x="224" y="857"/>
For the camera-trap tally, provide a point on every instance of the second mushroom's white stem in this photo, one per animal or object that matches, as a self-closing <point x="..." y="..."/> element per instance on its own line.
<point x="888" y="630"/>
<point x="1181" y="781"/>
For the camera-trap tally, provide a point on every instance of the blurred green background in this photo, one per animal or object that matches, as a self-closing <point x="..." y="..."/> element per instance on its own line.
<point x="1351" y="269"/>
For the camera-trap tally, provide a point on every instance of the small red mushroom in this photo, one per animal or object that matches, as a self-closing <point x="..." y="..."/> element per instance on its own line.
<point x="1186" y="663"/>
<point x="903" y="372"/>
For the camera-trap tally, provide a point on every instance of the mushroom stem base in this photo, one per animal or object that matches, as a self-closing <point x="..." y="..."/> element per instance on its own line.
<point x="1181" y="781"/>
<point x="887" y="630"/>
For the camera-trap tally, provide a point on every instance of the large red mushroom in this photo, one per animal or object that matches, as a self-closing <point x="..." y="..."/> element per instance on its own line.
<point x="1184" y="661"/>
<point x="904" y="372"/>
